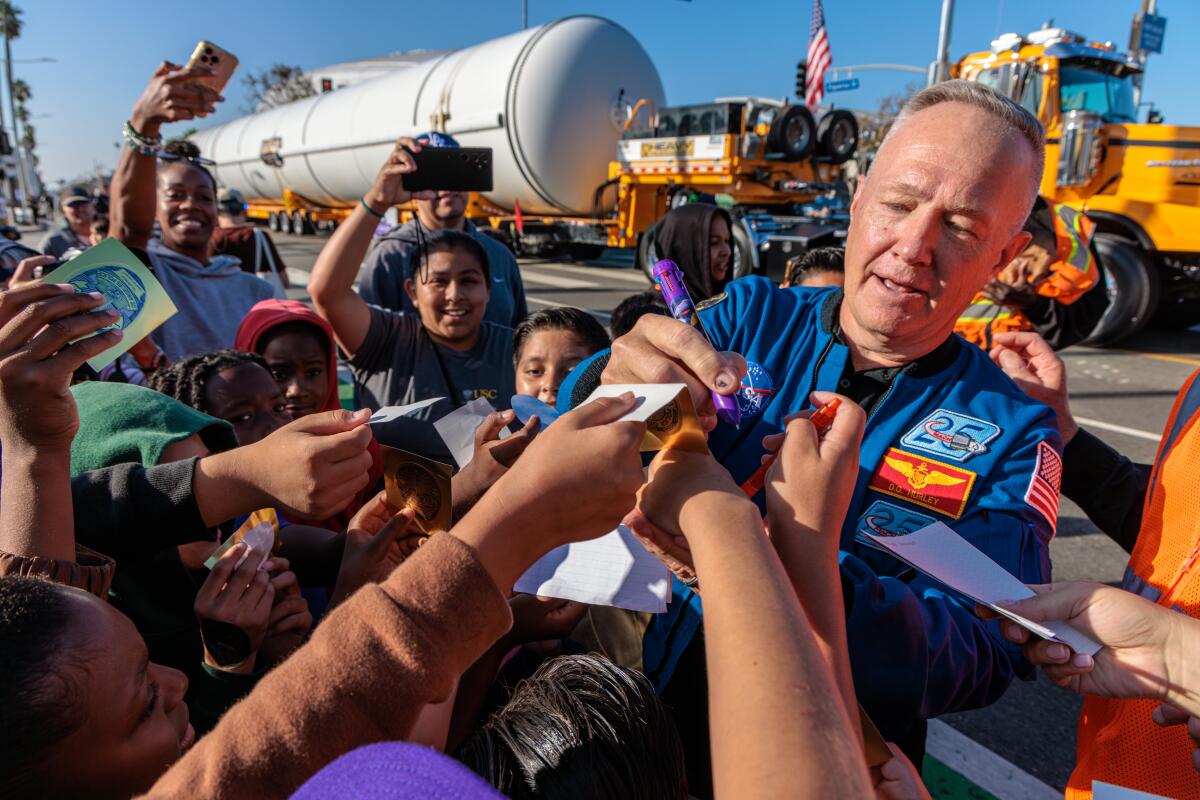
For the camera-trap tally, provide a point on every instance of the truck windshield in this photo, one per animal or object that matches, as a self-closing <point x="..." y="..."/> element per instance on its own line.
<point x="1084" y="89"/>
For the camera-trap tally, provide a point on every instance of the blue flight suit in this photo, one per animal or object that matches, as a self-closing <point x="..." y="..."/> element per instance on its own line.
<point x="963" y="446"/>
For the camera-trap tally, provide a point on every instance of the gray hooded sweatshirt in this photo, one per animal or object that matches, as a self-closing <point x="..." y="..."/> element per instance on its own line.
<point x="212" y="300"/>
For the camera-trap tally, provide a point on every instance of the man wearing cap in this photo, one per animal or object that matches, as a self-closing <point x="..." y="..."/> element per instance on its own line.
<point x="79" y="211"/>
<point x="389" y="262"/>
<point x="250" y="245"/>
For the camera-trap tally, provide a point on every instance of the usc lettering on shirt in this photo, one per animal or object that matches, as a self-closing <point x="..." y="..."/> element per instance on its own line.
<point x="936" y="485"/>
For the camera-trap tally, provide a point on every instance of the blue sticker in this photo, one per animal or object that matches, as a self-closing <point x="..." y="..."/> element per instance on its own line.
<point x="951" y="435"/>
<point x="757" y="390"/>
<point x="885" y="519"/>
<point x="121" y="287"/>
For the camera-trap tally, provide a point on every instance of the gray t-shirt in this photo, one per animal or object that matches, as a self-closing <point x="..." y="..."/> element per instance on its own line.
<point x="399" y="364"/>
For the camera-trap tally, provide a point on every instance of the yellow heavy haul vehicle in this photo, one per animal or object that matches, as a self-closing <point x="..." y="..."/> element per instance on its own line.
<point x="1140" y="182"/>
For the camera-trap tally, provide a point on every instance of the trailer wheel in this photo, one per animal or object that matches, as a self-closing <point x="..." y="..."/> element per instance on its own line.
<point x="300" y="225"/>
<point x="647" y="253"/>
<point x="1132" y="289"/>
<point x="273" y="222"/>
<point x="837" y="136"/>
<point x="744" y="260"/>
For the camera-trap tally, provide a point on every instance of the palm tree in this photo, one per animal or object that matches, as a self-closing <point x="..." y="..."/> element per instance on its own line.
<point x="10" y="25"/>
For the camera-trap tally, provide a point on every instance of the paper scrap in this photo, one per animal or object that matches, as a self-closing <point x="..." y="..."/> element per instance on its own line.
<point x="457" y="429"/>
<point x="525" y="407"/>
<point x="111" y="269"/>
<point x="942" y="554"/>
<point x="667" y="410"/>
<point x="389" y="413"/>
<point x="614" y="570"/>
<point x="260" y="532"/>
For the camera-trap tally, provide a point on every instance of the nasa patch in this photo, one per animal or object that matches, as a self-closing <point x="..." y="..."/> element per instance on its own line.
<point x="756" y="391"/>
<point x="886" y="519"/>
<point x="951" y="435"/>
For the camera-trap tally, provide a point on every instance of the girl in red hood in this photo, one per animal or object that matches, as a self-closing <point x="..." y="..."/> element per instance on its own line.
<point x="297" y="345"/>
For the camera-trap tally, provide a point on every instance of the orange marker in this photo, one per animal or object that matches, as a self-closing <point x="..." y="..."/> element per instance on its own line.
<point x="821" y="419"/>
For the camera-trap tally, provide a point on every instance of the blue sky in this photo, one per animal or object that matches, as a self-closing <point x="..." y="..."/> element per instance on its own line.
<point x="703" y="49"/>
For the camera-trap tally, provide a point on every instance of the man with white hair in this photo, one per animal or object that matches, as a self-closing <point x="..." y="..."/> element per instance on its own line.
<point x="949" y="437"/>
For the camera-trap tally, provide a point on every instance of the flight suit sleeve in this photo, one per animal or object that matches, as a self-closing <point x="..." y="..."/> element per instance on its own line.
<point x="917" y="649"/>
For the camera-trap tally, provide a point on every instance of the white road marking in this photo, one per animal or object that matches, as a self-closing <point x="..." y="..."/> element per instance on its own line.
<point x="629" y="276"/>
<point x="984" y="768"/>
<point x="557" y="281"/>
<point x="553" y="304"/>
<point x="1108" y="426"/>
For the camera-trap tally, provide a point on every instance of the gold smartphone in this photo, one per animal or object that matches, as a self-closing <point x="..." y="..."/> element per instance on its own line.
<point x="221" y="62"/>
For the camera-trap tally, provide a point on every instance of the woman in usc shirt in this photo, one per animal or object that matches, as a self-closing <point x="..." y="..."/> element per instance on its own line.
<point x="445" y="349"/>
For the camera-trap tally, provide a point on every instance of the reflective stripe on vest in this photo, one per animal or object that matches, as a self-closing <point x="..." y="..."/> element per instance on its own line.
<point x="1118" y="743"/>
<point x="1074" y="271"/>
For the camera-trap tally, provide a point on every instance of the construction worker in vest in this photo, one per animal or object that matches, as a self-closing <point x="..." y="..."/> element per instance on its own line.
<point x="1054" y="287"/>
<point x="1153" y="511"/>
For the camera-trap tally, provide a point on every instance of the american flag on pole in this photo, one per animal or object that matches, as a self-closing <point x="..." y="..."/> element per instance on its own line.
<point x="1042" y="493"/>
<point x="819" y="58"/>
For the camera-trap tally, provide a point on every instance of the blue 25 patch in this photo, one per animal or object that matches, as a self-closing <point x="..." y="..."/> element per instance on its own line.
<point x="884" y="519"/>
<point x="948" y="434"/>
<point x="756" y="391"/>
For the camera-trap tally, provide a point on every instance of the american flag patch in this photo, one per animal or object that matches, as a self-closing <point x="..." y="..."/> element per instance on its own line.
<point x="1042" y="493"/>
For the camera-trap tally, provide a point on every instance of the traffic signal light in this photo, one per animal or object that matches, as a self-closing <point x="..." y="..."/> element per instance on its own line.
<point x="801" y="78"/>
<point x="326" y="85"/>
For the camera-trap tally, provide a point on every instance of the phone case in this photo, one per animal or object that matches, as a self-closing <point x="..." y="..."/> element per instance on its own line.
<point x="451" y="169"/>
<point x="220" y="61"/>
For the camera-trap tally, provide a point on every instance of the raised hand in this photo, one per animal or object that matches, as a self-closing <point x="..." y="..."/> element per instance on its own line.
<point x="377" y="541"/>
<point x="290" y="619"/>
<point x="492" y="457"/>
<point x="172" y="95"/>
<point x="388" y="189"/>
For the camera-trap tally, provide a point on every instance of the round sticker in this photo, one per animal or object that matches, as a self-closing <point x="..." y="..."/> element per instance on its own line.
<point x="757" y="390"/>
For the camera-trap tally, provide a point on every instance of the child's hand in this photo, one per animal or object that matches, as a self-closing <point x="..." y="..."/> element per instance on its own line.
<point x="669" y="548"/>
<point x="290" y="619"/>
<point x="536" y="619"/>
<point x="312" y="467"/>
<point x="578" y="478"/>
<point x="234" y="608"/>
<point x="37" y="323"/>
<point x="679" y="479"/>
<point x="492" y="458"/>
<point x="376" y="543"/>
<point x="810" y="484"/>
<point x="898" y="779"/>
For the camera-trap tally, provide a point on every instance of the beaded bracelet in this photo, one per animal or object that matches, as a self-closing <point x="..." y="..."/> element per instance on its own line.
<point x="146" y="145"/>
<point x="370" y="210"/>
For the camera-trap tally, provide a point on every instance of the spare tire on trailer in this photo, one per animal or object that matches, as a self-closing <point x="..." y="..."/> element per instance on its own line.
<point x="837" y="136"/>
<point x="793" y="133"/>
<point x="1133" y="289"/>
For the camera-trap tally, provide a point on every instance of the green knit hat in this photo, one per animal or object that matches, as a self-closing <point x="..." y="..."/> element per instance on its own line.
<point x="120" y="423"/>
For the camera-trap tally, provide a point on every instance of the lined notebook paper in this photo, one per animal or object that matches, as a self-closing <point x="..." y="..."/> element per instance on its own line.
<point x="614" y="570"/>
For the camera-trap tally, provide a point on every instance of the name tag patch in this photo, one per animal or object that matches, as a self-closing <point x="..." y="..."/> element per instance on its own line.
<point x="935" y="485"/>
<point x="948" y="434"/>
<point x="886" y="519"/>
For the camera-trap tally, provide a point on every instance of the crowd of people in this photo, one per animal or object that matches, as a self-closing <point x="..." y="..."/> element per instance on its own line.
<point x="360" y="654"/>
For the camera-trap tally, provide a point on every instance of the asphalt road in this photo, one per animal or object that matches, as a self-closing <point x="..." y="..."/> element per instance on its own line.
<point x="1131" y="388"/>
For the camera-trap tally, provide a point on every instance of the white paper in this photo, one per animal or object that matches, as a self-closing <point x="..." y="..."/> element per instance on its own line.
<point x="945" y="556"/>
<point x="389" y="413"/>
<point x="650" y="397"/>
<point x="1109" y="791"/>
<point x="457" y="429"/>
<point x="614" y="570"/>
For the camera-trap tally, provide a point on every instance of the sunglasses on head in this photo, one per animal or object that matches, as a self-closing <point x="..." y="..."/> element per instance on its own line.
<point x="78" y="201"/>
<point x="197" y="160"/>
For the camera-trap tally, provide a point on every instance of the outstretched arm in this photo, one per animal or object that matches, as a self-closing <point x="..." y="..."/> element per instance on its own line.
<point x="332" y="281"/>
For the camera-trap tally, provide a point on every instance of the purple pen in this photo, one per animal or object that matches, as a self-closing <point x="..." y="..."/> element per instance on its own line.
<point x="669" y="279"/>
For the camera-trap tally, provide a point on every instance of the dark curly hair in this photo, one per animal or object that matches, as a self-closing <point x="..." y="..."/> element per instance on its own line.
<point x="43" y="696"/>
<point x="187" y="152"/>
<point x="185" y="380"/>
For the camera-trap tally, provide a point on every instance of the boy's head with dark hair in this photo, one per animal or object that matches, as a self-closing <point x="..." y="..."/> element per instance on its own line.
<point x="633" y="308"/>
<point x="548" y="344"/>
<point x="821" y="266"/>
<point x="581" y="728"/>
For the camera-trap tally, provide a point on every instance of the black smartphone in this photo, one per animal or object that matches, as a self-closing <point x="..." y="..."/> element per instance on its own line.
<point x="451" y="169"/>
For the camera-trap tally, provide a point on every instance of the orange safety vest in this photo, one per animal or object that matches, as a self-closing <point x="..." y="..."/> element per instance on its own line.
<point x="1117" y="742"/>
<point x="1072" y="273"/>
